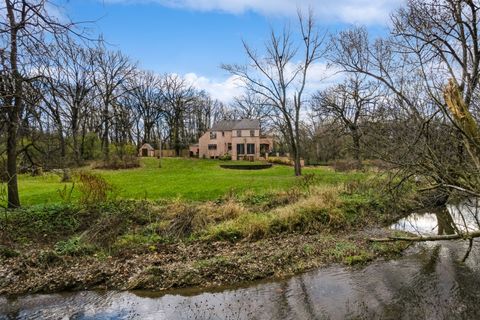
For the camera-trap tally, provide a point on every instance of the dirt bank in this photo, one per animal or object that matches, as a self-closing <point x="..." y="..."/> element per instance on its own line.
<point x="199" y="264"/>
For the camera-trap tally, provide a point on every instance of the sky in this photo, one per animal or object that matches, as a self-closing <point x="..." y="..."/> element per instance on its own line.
<point x="194" y="37"/>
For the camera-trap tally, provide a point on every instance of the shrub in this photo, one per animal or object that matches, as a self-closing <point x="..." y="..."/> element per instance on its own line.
<point x="187" y="221"/>
<point x="116" y="163"/>
<point x="280" y="160"/>
<point x="7" y="253"/>
<point x="135" y="240"/>
<point x="346" y="165"/>
<point x="94" y="188"/>
<point x="225" y="157"/>
<point x="36" y="222"/>
<point x="307" y="180"/>
<point x="378" y="164"/>
<point x="74" y="246"/>
<point x="246" y="166"/>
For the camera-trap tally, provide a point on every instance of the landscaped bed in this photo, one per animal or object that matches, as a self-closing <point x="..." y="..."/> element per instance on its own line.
<point x="247" y="166"/>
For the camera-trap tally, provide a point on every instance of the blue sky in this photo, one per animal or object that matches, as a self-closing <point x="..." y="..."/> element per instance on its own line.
<point x="193" y="37"/>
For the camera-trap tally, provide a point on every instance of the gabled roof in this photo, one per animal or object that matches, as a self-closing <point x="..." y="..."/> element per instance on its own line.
<point x="147" y="146"/>
<point x="224" y="125"/>
<point x="229" y="125"/>
<point x="247" y="124"/>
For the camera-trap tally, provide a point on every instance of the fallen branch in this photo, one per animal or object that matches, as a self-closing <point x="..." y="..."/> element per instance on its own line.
<point x="465" y="236"/>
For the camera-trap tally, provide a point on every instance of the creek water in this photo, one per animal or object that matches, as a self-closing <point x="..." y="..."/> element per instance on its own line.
<point x="428" y="282"/>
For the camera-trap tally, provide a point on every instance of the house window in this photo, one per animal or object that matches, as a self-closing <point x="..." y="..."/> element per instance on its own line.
<point x="212" y="147"/>
<point x="252" y="133"/>
<point x="240" y="149"/>
<point x="239" y="133"/>
<point x="213" y="135"/>
<point x="229" y="146"/>
<point x="223" y="134"/>
<point x="250" y="148"/>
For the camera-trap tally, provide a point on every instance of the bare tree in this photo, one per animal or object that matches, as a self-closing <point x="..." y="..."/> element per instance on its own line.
<point x="177" y="97"/>
<point x="112" y="72"/>
<point x="278" y="77"/>
<point x="253" y="106"/>
<point x="145" y="98"/>
<point x="26" y="28"/>
<point x="430" y="65"/>
<point x="349" y="103"/>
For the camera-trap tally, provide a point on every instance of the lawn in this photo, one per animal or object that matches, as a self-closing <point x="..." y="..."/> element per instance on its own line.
<point x="191" y="179"/>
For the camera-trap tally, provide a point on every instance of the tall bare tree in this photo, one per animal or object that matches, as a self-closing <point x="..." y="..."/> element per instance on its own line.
<point x="280" y="79"/>
<point x="349" y="103"/>
<point x="112" y="72"/>
<point x="430" y="65"/>
<point x="26" y="30"/>
<point x="177" y="95"/>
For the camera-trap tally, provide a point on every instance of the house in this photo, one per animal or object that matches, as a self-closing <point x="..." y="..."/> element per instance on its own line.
<point x="146" y="150"/>
<point x="241" y="139"/>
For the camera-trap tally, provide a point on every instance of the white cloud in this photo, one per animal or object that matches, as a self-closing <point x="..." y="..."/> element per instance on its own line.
<point x="224" y="90"/>
<point x="319" y="77"/>
<point x="348" y="11"/>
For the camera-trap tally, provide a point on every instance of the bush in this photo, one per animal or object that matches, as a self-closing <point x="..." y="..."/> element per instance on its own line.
<point x="74" y="246"/>
<point x="116" y="163"/>
<point x="225" y="157"/>
<point x="94" y="188"/>
<point x="36" y="222"/>
<point x="187" y="221"/>
<point x="7" y="253"/>
<point x="280" y="160"/>
<point x="246" y="166"/>
<point x="346" y="165"/>
<point x="378" y="164"/>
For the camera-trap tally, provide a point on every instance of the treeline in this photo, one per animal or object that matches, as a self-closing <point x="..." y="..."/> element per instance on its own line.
<point x="83" y="103"/>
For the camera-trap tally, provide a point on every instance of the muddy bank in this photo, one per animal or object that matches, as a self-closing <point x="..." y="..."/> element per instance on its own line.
<point x="198" y="264"/>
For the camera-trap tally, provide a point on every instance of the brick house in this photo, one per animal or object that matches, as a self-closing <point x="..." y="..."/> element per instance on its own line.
<point x="241" y="139"/>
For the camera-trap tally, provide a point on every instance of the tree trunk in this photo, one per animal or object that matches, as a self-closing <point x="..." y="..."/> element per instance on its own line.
<point x="16" y="105"/>
<point x="296" y="150"/>
<point x="356" y="147"/>
<point x="105" y="145"/>
<point x="12" y="184"/>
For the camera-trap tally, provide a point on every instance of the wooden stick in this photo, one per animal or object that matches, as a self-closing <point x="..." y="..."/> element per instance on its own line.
<point x="470" y="235"/>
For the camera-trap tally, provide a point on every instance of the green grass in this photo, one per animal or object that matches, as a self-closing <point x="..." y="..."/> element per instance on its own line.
<point x="190" y="179"/>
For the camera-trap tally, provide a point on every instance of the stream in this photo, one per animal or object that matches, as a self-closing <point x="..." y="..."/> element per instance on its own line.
<point x="429" y="281"/>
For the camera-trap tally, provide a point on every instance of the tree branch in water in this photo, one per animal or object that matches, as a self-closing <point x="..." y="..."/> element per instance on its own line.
<point x="470" y="235"/>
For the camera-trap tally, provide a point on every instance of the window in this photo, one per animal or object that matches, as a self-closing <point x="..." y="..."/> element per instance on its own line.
<point x="213" y="135"/>
<point x="223" y="134"/>
<point x="212" y="147"/>
<point x="239" y="133"/>
<point x="240" y="149"/>
<point x="229" y="146"/>
<point x="250" y="148"/>
<point x="252" y="133"/>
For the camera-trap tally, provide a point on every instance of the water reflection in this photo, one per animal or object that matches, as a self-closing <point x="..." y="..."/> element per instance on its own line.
<point x="428" y="282"/>
<point x="452" y="219"/>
